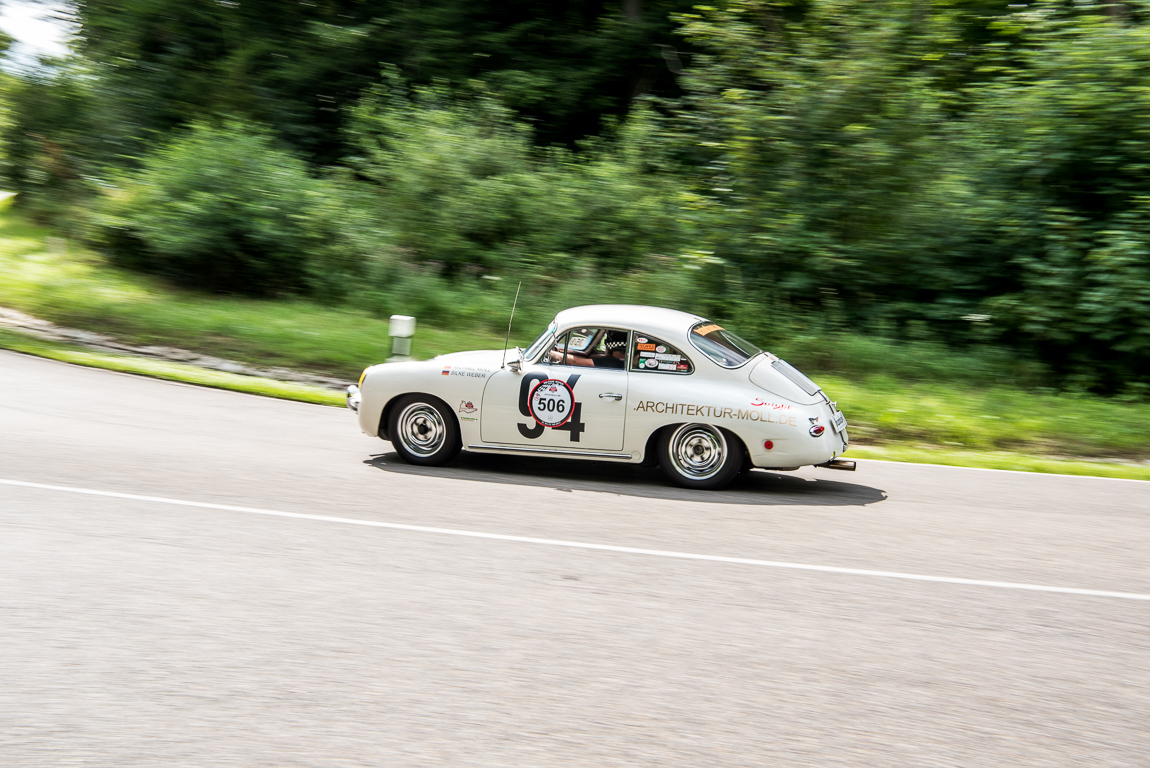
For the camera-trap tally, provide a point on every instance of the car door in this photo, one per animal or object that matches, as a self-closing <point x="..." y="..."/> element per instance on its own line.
<point x="582" y="408"/>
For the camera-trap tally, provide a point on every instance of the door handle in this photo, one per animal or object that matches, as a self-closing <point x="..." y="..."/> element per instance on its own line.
<point x="614" y="395"/>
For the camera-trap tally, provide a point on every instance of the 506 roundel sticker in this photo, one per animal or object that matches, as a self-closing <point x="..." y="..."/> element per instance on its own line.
<point x="551" y="403"/>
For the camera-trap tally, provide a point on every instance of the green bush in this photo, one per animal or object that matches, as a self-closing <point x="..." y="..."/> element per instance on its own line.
<point x="220" y="208"/>
<point x="462" y="185"/>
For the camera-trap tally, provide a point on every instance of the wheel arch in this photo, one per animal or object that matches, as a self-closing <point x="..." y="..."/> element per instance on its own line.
<point x="385" y="414"/>
<point x="651" y="449"/>
<point x="651" y="452"/>
<point x="721" y="466"/>
<point x="733" y="435"/>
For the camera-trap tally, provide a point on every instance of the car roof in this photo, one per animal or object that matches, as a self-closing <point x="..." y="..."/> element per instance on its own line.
<point x="656" y="321"/>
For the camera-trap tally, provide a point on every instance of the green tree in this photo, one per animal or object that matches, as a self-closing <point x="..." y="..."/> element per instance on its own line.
<point x="297" y="66"/>
<point x="55" y="132"/>
<point x="1065" y="157"/>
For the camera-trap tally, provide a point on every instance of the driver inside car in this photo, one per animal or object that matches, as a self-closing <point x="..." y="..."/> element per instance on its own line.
<point x="614" y="353"/>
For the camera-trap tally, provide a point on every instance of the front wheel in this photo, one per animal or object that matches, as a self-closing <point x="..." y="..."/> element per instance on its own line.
<point x="700" y="456"/>
<point x="424" y="431"/>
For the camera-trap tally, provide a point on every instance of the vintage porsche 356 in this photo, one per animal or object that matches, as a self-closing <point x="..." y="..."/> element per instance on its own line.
<point x="607" y="382"/>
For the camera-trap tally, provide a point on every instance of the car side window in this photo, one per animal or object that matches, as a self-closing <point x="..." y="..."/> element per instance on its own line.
<point x="587" y="347"/>
<point x="556" y="354"/>
<point x="651" y="355"/>
<point x="580" y="339"/>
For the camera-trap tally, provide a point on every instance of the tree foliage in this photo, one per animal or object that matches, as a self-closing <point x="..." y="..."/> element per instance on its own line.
<point x="1066" y="150"/>
<point x="960" y="171"/>
<point x="851" y="168"/>
<point x="461" y="183"/>
<point x="298" y="66"/>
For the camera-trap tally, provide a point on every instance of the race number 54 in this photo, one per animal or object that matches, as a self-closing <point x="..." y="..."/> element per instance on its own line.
<point x="551" y="404"/>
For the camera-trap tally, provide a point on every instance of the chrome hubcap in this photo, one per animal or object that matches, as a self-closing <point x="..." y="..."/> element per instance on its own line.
<point x="421" y="429"/>
<point x="698" y="451"/>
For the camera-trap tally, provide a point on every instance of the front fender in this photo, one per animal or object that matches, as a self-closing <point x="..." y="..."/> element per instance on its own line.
<point x="460" y="387"/>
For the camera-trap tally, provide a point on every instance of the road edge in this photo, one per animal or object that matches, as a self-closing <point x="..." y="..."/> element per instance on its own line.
<point x="168" y="371"/>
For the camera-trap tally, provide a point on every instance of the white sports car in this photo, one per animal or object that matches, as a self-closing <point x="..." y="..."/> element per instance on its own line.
<point x="610" y="383"/>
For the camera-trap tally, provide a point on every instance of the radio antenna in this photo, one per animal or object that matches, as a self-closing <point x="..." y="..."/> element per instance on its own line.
<point x="506" y="341"/>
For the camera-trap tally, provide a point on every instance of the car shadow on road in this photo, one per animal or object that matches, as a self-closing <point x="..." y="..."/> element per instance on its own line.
<point x="758" y="487"/>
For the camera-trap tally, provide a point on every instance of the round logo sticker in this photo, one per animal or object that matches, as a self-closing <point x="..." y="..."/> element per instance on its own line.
<point x="651" y="362"/>
<point x="660" y="349"/>
<point x="641" y="340"/>
<point x="551" y="403"/>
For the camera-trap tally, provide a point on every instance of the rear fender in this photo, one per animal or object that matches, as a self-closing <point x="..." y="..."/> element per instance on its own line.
<point x="651" y="450"/>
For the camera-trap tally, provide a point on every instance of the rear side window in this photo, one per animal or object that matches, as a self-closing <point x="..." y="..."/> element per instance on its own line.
<point x="650" y="355"/>
<point x="722" y="346"/>
<point x="797" y="376"/>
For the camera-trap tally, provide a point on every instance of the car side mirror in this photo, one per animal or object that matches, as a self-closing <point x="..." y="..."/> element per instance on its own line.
<point x="516" y="362"/>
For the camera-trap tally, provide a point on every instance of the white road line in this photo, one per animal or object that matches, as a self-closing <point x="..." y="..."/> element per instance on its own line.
<point x="584" y="545"/>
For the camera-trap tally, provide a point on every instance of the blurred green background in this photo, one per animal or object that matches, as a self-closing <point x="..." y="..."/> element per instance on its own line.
<point x="915" y="196"/>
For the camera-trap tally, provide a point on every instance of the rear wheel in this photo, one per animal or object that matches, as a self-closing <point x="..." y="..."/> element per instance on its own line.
<point x="424" y="431"/>
<point x="700" y="456"/>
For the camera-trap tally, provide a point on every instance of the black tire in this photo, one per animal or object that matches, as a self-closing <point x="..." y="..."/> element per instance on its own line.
<point x="424" y="431"/>
<point x="700" y="456"/>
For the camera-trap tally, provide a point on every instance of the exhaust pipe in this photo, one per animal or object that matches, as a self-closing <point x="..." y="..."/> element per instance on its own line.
<point x="843" y="464"/>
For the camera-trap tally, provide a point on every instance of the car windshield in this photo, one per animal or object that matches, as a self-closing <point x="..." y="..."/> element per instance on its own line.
<point x="722" y="346"/>
<point x="543" y="340"/>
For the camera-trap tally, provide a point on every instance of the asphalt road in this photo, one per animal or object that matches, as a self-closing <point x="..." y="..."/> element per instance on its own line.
<point x="151" y="632"/>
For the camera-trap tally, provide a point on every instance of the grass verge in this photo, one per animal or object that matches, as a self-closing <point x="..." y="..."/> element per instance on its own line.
<point x="956" y="417"/>
<point x="162" y="369"/>
<point x="998" y="460"/>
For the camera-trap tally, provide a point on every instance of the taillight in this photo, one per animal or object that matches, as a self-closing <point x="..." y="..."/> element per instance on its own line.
<point x="768" y="444"/>
<point x="817" y="430"/>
